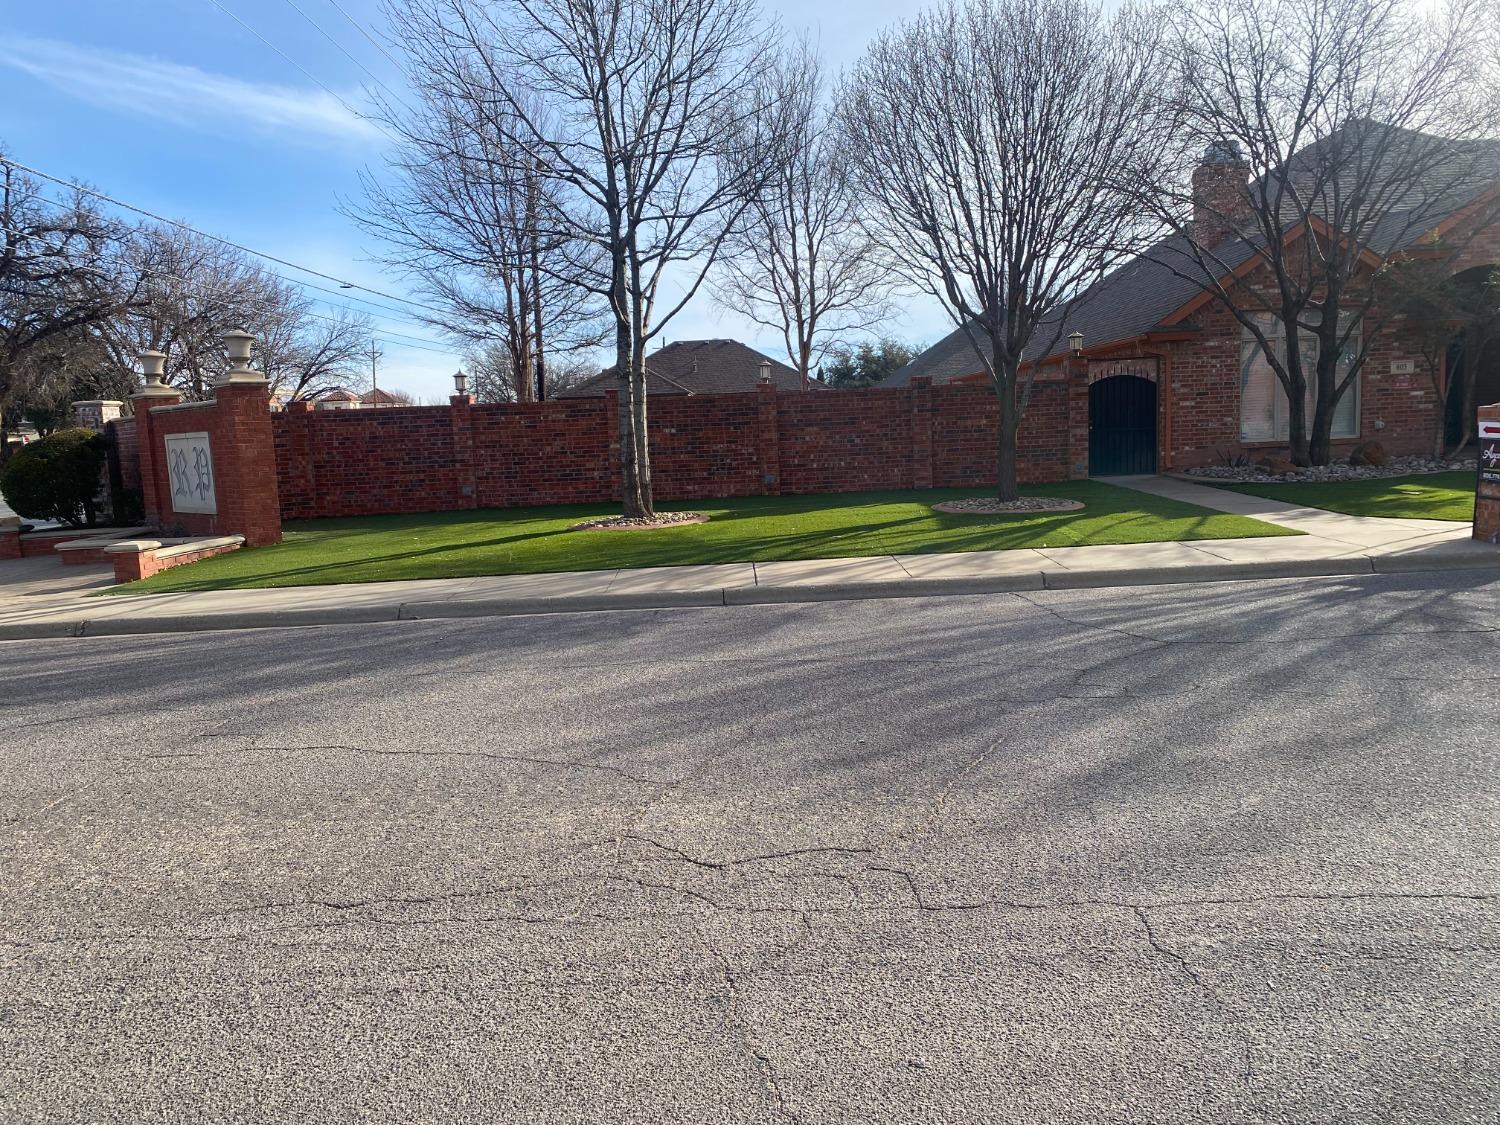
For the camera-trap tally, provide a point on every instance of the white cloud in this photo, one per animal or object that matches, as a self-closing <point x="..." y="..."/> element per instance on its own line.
<point x="183" y="95"/>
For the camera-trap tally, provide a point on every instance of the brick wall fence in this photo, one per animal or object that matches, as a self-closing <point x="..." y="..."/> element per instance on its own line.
<point x="467" y="455"/>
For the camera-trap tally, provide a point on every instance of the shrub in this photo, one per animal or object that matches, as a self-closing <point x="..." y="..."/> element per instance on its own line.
<point x="56" y="478"/>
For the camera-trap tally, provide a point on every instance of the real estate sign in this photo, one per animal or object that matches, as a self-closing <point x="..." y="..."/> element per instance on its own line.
<point x="1489" y="451"/>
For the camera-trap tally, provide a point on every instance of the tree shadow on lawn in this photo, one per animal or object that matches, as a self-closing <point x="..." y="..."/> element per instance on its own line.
<point x="537" y="541"/>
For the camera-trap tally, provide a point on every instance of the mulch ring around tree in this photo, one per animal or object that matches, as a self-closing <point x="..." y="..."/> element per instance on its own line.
<point x="654" y="523"/>
<point x="989" y="506"/>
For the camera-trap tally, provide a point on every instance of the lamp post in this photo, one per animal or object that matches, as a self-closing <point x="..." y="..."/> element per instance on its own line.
<point x="1075" y="343"/>
<point x="460" y="382"/>
<point x="765" y="370"/>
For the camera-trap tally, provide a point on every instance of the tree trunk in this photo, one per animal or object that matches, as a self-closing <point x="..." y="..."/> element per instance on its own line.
<point x="644" y="504"/>
<point x="631" y="497"/>
<point x="537" y="343"/>
<point x="1007" y="483"/>
<point x="1298" y="446"/>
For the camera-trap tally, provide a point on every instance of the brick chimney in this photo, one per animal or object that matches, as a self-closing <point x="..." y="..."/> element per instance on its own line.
<point x="1221" y="193"/>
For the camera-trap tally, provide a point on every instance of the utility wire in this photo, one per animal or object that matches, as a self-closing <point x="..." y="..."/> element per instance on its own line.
<point x="360" y="28"/>
<point x="216" y="238"/>
<point x="306" y="73"/>
<point x="375" y="78"/>
<point x="403" y="317"/>
<point x="395" y="339"/>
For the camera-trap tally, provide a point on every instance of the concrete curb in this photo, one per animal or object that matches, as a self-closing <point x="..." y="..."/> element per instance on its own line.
<point x="1051" y="579"/>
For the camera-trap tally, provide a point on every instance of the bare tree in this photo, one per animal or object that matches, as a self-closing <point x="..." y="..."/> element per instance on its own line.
<point x="304" y="353"/>
<point x="637" y="112"/>
<point x="802" y="261"/>
<point x="462" y="216"/>
<point x="988" y="135"/>
<point x="189" y="290"/>
<point x="58" y="276"/>
<point x="1346" y="131"/>
<point x="1446" y="314"/>
<point x="494" y="377"/>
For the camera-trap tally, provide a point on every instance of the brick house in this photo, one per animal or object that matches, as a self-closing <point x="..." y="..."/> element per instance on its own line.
<point x="1175" y="381"/>
<point x="702" y="367"/>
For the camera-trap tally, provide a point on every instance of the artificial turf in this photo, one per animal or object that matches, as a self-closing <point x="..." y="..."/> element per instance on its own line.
<point x="755" y="529"/>
<point x="1427" y="496"/>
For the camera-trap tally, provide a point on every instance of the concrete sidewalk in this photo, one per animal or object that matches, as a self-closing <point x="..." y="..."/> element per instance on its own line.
<point x="40" y="598"/>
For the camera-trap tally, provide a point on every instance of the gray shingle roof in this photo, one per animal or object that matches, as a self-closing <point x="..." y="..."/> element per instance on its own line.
<point x="1133" y="299"/>
<point x="1128" y="302"/>
<point x="700" y="367"/>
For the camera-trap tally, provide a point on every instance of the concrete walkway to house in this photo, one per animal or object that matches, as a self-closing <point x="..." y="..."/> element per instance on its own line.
<point x="40" y="597"/>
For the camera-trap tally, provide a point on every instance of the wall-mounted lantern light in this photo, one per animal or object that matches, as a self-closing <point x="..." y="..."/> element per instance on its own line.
<point x="1075" y="343"/>
<point x="460" y="382"/>
<point x="765" y="370"/>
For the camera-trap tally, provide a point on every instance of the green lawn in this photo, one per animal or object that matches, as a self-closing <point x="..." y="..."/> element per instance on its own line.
<point x="1427" y="496"/>
<point x="759" y="529"/>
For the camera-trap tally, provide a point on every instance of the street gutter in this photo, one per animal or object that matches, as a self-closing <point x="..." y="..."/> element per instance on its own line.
<point x="75" y="622"/>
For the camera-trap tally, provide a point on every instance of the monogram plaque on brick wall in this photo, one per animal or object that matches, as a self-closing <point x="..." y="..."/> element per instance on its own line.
<point x="190" y="468"/>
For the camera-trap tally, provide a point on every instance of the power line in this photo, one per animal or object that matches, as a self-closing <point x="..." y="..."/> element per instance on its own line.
<point x="402" y="318"/>
<point x="395" y="339"/>
<point x="306" y="73"/>
<point x="216" y="238"/>
<point x="360" y="28"/>
<point x="342" y="49"/>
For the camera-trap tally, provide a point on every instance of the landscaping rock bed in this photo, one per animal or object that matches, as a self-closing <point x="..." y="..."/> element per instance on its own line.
<point x="655" y="523"/>
<point x="989" y="506"/>
<point x="1267" y="474"/>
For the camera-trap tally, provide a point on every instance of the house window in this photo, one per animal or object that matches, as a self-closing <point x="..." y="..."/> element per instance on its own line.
<point x="1263" y="401"/>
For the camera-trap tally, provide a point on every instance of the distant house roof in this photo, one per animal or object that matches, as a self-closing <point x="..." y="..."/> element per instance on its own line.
<point x="378" y="397"/>
<point x="1135" y="298"/>
<point x="338" y="394"/>
<point x="700" y="367"/>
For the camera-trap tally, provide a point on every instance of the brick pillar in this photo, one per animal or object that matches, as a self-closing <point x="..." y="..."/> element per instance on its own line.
<point x="1487" y="490"/>
<point x="612" y="427"/>
<point x="155" y="497"/>
<point x="245" y="463"/>
<point x="462" y="421"/>
<point x="768" y="440"/>
<point x="921" y="432"/>
<point x="1076" y="373"/>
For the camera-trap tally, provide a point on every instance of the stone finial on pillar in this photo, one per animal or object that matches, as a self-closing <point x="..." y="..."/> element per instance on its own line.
<point x="153" y="372"/>
<point x="237" y="343"/>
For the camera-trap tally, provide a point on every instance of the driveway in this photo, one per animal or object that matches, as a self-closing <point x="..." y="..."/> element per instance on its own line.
<point x="1188" y="853"/>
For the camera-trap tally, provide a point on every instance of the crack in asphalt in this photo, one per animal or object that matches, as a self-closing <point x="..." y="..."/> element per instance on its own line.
<point x="720" y="865"/>
<point x="738" y="1026"/>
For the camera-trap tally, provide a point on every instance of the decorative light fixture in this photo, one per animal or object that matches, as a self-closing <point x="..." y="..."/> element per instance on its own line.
<point x="1075" y="343"/>
<point x="460" y="382"/>
<point x="765" y="370"/>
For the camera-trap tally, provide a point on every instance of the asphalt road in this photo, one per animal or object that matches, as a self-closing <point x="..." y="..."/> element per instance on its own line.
<point x="1190" y="853"/>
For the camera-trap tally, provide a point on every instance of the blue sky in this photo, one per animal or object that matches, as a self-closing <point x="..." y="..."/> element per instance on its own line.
<point x="174" y="106"/>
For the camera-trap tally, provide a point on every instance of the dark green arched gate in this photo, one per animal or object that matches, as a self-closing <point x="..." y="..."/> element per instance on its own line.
<point x="1122" y="426"/>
